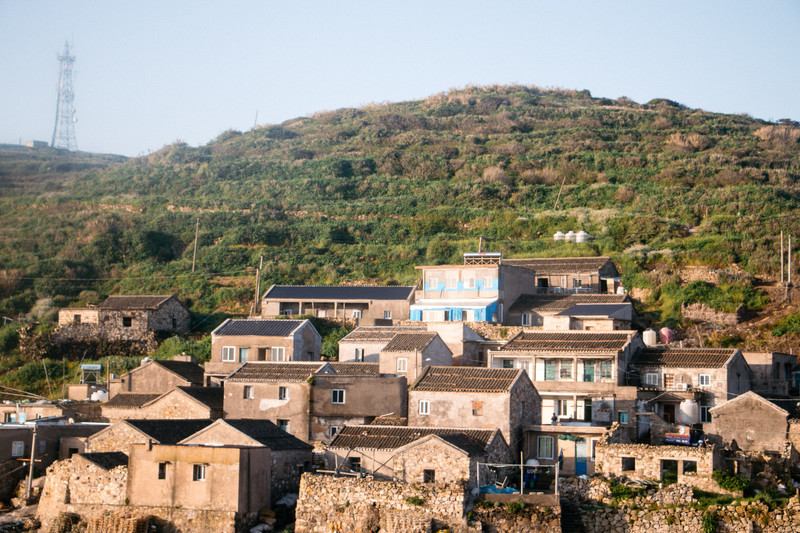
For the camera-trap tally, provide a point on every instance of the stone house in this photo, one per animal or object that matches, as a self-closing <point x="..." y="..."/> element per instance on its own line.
<point x="771" y="372"/>
<point x="553" y="311"/>
<point x="126" y="405"/>
<point x="407" y="354"/>
<point x="753" y="422"/>
<point x="476" y="398"/>
<point x="572" y="444"/>
<point x="179" y="403"/>
<point x="289" y="456"/>
<point x="19" y="413"/>
<point x="124" y="318"/>
<point x="580" y="375"/>
<point x="312" y="400"/>
<point x="597" y="275"/>
<point x="351" y="304"/>
<point x="480" y="290"/>
<point x="406" y="453"/>
<point x="592" y="317"/>
<point x="158" y="376"/>
<point x="682" y="385"/>
<point x="121" y="435"/>
<point x="238" y="341"/>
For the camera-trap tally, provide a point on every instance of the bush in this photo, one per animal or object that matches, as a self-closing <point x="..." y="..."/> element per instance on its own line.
<point x="415" y="500"/>
<point x="731" y="482"/>
<point x="709" y="523"/>
<point x="515" y="508"/>
<point x="789" y="324"/>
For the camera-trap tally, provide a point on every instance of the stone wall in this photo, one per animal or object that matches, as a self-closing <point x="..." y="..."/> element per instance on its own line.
<point x="531" y="519"/>
<point x="597" y="490"/>
<point x="449" y="464"/>
<point x="703" y="313"/>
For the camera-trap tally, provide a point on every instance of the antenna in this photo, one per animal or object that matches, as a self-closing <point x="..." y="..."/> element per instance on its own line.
<point x="64" y="130"/>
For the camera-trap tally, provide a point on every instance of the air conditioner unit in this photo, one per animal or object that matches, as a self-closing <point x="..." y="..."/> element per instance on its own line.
<point x="682" y="386"/>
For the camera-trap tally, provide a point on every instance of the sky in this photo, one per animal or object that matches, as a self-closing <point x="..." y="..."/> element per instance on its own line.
<point x="149" y="73"/>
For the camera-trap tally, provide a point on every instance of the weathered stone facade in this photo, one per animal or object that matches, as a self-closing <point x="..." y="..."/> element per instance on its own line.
<point x="702" y="313"/>
<point x="754" y="423"/>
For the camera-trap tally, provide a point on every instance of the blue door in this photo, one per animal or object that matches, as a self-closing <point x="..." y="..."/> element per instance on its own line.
<point x="580" y="457"/>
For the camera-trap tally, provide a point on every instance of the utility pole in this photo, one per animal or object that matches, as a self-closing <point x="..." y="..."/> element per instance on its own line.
<point x="30" y="468"/>
<point x="480" y="243"/>
<point x="258" y="286"/>
<point x="781" y="257"/>
<point x="196" y="233"/>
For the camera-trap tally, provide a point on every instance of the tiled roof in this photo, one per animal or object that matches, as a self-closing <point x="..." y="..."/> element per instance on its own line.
<point x="192" y="372"/>
<point x="682" y="357"/>
<point x="390" y="421"/>
<point x="268" y="434"/>
<point x="135" y="302"/>
<point x="466" y="379"/>
<point x="106" y="460"/>
<point x="392" y="437"/>
<point x="351" y="369"/>
<point x="464" y="442"/>
<point x="209" y="396"/>
<point x="338" y="292"/>
<point x="169" y="431"/>
<point x="131" y="399"/>
<point x="380" y="333"/>
<point x="274" y="371"/>
<point x="408" y="342"/>
<point x="559" y="302"/>
<point x="257" y="326"/>
<point x="560" y="265"/>
<point x="572" y="341"/>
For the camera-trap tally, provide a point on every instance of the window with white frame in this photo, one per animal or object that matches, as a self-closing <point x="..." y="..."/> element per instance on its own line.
<point x="356" y="313"/>
<point x="452" y="281"/>
<point x="651" y="378"/>
<point x="433" y="283"/>
<point x="705" y="414"/>
<point x="488" y="281"/>
<point x="704" y="380"/>
<point x="402" y="364"/>
<point x="337" y="396"/>
<point x="469" y="282"/>
<point x="283" y="393"/>
<point x="387" y="315"/>
<point x="248" y="392"/>
<point x="332" y="431"/>
<point x="277" y="353"/>
<point x="17" y="448"/>
<point x="526" y="319"/>
<point x="228" y="353"/>
<point x="359" y="358"/>
<point x="243" y="354"/>
<point x="198" y="472"/>
<point x="544" y="446"/>
<point x="606" y="370"/>
<point x="562" y="407"/>
<point x="424" y="407"/>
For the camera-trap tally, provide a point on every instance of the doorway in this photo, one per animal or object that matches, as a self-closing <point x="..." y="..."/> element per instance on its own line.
<point x="581" y="457"/>
<point x="669" y="413"/>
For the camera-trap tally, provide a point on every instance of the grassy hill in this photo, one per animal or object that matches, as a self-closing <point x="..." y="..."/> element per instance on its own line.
<point x="364" y="195"/>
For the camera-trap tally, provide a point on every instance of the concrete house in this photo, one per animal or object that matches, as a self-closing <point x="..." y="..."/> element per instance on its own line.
<point x="158" y="376"/>
<point x="772" y="372"/>
<point x="407" y="354"/>
<point x="681" y="385"/>
<point x="559" y="275"/>
<point x="238" y="341"/>
<point x="416" y="454"/>
<point x="754" y="423"/>
<point x="353" y="304"/>
<point x="476" y="398"/>
<point x="572" y="311"/>
<point x="580" y="375"/>
<point x="573" y="445"/>
<point x="480" y="290"/>
<point x="289" y="456"/>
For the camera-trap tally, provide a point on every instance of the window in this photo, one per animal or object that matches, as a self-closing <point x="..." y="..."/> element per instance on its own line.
<point x="332" y="431"/>
<point x="359" y="355"/>
<point x="429" y="476"/>
<point x="526" y="319"/>
<point x="284" y="425"/>
<point x="469" y="282"/>
<point x="651" y="378"/>
<point x="433" y="283"/>
<point x="174" y="324"/>
<point x="17" y="448"/>
<point x="550" y="370"/>
<point x="277" y="354"/>
<point x="42" y="447"/>
<point x="689" y="467"/>
<point x="198" y="472"/>
<point x="424" y="407"/>
<point x="452" y="281"/>
<point x="243" y="354"/>
<point x="283" y="393"/>
<point x="402" y="364"/>
<point x="76" y="319"/>
<point x="565" y="369"/>
<point x="593" y="449"/>
<point x="562" y="407"/>
<point x="355" y="464"/>
<point x="387" y="315"/>
<point x="356" y="313"/>
<point x="127" y="322"/>
<point x="704" y="380"/>
<point x="623" y="417"/>
<point x="488" y="282"/>
<point x="588" y="372"/>
<point x="337" y="396"/>
<point x="705" y="415"/>
<point x="248" y="392"/>
<point x="576" y="284"/>
<point x="545" y="447"/>
<point x="162" y="470"/>
<point x="287" y="312"/>
<point x="508" y="363"/>
<point x="228" y="353"/>
<point x="606" y="370"/>
<point x="628" y="464"/>
<point x="477" y="408"/>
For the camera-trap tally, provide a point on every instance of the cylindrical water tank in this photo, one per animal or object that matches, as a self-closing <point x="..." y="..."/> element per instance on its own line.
<point x="689" y="412"/>
<point x="558" y="236"/>
<point x="570" y="236"/>
<point x="649" y="337"/>
<point x="665" y="335"/>
<point x="581" y="236"/>
<point x="99" y="396"/>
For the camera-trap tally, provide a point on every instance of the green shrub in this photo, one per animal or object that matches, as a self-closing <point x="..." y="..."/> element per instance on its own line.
<point x="621" y="492"/>
<point x="415" y="500"/>
<point x="789" y="324"/>
<point x="515" y="507"/>
<point x="731" y="482"/>
<point x="708" y="523"/>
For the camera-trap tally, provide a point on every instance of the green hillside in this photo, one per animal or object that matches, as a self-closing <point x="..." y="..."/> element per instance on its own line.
<point x="364" y="195"/>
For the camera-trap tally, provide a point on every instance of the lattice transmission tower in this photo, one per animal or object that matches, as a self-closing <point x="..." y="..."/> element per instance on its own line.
<point x="64" y="130"/>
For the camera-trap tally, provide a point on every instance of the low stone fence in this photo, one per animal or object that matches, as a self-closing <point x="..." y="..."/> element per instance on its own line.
<point x="703" y="313"/>
<point x="596" y="490"/>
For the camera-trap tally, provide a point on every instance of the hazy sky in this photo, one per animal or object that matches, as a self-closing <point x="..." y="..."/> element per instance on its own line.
<point x="152" y="72"/>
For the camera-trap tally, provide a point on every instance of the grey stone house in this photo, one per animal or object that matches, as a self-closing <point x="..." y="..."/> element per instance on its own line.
<point x="158" y="376"/>
<point x="122" y="434"/>
<point x="238" y="341"/>
<point x="754" y="423"/>
<point x="772" y="372"/>
<point x="476" y="398"/>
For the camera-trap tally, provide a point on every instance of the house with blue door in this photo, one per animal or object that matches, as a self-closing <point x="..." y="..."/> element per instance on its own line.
<point x="480" y="290"/>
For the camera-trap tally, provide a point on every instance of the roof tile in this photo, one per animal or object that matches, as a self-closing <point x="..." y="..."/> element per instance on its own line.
<point x="275" y="371"/>
<point x="391" y="437"/>
<point x="682" y="357"/>
<point x="339" y="292"/>
<point x="134" y="302"/>
<point x="466" y="379"/>
<point x="561" y="265"/>
<point x="408" y="342"/>
<point x="257" y="326"/>
<point x="131" y="399"/>
<point x="572" y="341"/>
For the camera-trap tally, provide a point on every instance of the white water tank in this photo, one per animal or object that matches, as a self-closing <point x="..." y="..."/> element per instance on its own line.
<point x="99" y="396"/>
<point x="558" y="236"/>
<point x="570" y="237"/>
<point x="649" y="337"/>
<point x="581" y="236"/>
<point x="689" y="412"/>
